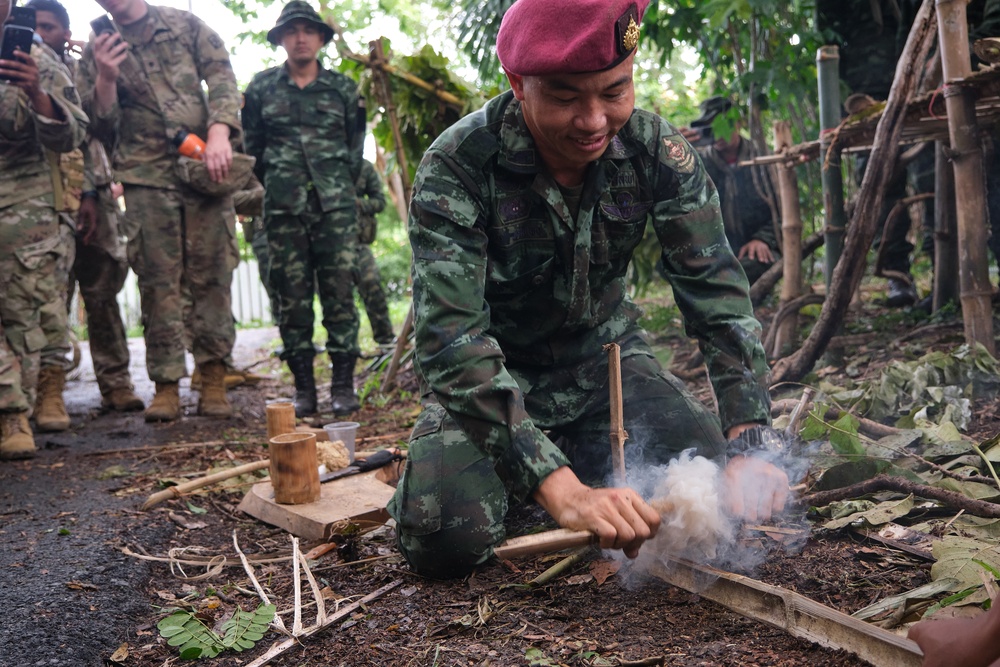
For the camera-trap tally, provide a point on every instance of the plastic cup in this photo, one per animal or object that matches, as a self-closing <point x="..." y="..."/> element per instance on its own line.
<point x="345" y="432"/>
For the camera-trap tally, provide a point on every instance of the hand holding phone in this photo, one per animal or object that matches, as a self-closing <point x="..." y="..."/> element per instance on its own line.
<point x="15" y="38"/>
<point x="102" y="24"/>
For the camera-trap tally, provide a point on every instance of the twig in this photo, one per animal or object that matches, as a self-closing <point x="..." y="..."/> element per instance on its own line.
<point x="286" y="644"/>
<point x="560" y="567"/>
<point x="163" y="448"/>
<point x="867" y="426"/>
<point x="206" y="560"/>
<point x="180" y="489"/>
<point x="989" y="464"/>
<point x="277" y="622"/>
<point x="618" y="434"/>
<point x="878" y="483"/>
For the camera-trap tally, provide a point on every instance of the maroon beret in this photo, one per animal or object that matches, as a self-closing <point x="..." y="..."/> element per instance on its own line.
<point x="540" y="37"/>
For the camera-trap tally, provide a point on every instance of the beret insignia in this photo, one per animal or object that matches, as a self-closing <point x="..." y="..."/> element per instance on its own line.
<point x="627" y="30"/>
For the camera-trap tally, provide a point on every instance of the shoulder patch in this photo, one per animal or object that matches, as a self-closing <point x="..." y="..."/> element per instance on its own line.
<point x="678" y="156"/>
<point x="215" y="41"/>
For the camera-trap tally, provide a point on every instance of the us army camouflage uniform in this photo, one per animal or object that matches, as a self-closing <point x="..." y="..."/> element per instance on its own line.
<point x="514" y="300"/>
<point x="176" y="236"/>
<point x="308" y="147"/>
<point x="371" y="200"/>
<point x="29" y="226"/>
<point x="745" y="213"/>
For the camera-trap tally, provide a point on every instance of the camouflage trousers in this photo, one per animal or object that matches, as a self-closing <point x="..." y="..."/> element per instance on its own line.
<point x="101" y="277"/>
<point x="369" y="284"/>
<point x="181" y="238"/>
<point x="54" y="314"/>
<point x="450" y="503"/>
<point x="311" y="252"/>
<point x="258" y="244"/>
<point x="29" y="251"/>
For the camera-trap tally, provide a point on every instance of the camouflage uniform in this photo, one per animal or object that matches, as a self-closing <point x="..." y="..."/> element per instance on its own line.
<point x="176" y="235"/>
<point x="308" y="147"/>
<point x="371" y="200"/>
<point x="745" y="212"/>
<point x="249" y="204"/>
<point x="29" y="226"/>
<point x="514" y="299"/>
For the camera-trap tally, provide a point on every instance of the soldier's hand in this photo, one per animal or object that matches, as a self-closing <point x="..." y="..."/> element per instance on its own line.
<point x="110" y="51"/>
<point x="755" y="489"/>
<point x="619" y="517"/>
<point x="23" y="73"/>
<point x="691" y="134"/>
<point x="218" y="152"/>
<point x="86" y="220"/>
<point x="757" y="250"/>
<point x="960" y="641"/>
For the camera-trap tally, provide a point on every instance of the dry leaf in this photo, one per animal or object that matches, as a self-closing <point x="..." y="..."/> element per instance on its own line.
<point x="80" y="586"/>
<point x="121" y="654"/>
<point x="578" y="579"/>
<point x="603" y="569"/>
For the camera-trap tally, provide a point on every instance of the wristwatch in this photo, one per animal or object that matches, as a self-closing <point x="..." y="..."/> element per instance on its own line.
<point x="759" y="438"/>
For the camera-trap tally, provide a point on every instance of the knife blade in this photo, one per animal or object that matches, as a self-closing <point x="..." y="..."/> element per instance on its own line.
<point x="376" y="460"/>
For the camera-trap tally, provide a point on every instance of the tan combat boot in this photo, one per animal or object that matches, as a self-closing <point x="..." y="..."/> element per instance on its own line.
<point x="234" y="378"/>
<point x="16" y="440"/>
<point x="50" y="410"/>
<point x="213" y="401"/>
<point x="122" y="399"/>
<point x="166" y="405"/>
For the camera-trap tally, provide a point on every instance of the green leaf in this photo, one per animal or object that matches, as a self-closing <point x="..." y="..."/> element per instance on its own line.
<point x="191" y="652"/>
<point x="879" y="515"/>
<point x="844" y="437"/>
<point x="846" y="474"/>
<point x="957" y="558"/>
<point x="194" y="509"/>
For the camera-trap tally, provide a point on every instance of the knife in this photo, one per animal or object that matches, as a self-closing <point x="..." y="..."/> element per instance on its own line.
<point x="376" y="460"/>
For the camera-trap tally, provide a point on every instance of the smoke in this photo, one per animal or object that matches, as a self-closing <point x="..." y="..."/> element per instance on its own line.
<point x="691" y="495"/>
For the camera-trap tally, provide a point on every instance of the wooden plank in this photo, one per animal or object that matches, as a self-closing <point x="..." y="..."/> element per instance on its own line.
<point x="795" y="614"/>
<point x="355" y="499"/>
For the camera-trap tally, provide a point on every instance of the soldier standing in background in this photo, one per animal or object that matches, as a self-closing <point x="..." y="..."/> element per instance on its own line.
<point x="143" y="87"/>
<point x="525" y="216"/>
<point x="39" y="111"/>
<point x="371" y="200"/>
<point x="304" y="125"/>
<point x="100" y="265"/>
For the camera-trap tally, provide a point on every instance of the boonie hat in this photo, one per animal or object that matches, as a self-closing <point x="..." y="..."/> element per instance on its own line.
<point x="294" y="10"/>
<point x="711" y="108"/>
<point x="195" y="174"/>
<point x="541" y="37"/>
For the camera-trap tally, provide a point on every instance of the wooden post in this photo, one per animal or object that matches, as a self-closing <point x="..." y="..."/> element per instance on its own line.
<point x="280" y="419"/>
<point x="967" y="161"/>
<point x="835" y="217"/>
<point x="618" y="434"/>
<point x="378" y="64"/>
<point x="945" y="250"/>
<point x="791" y="236"/>
<point x="294" y="468"/>
<point x="397" y="354"/>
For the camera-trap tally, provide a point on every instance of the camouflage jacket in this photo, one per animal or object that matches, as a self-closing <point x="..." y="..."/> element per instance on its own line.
<point x="505" y="277"/>
<point x="745" y="212"/>
<point x="304" y="139"/>
<point x="160" y="93"/>
<point x="25" y="136"/>
<point x="371" y="200"/>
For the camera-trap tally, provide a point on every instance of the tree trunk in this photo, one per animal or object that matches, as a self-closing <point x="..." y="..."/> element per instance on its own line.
<point x="791" y="236"/>
<point x="849" y="271"/>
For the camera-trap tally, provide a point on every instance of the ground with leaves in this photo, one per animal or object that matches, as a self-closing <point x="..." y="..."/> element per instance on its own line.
<point x="87" y="576"/>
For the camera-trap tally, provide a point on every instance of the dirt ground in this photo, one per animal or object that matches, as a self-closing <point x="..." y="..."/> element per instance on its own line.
<point x="73" y="596"/>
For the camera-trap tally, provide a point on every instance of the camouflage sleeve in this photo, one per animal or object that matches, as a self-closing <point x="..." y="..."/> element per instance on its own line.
<point x="216" y="70"/>
<point x="371" y="197"/>
<point x="462" y="364"/>
<point x="707" y="282"/>
<point x="254" y="138"/>
<point x="356" y="128"/>
<point x="67" y="133"/>
<point x="104" y="127"/>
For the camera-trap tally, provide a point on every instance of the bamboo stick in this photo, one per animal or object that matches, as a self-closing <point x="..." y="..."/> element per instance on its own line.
<point x="618" y="434"/>
<point x="280" y="419"/>
<point x="294" y="468"/>
<point x="791" y="238"/>
<point x="180" y="489"/>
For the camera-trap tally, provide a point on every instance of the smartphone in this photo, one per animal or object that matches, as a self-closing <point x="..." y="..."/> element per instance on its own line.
<point x="23" y="16"/>
<point x="15" y="37"/>
<point x="102" y="24"/>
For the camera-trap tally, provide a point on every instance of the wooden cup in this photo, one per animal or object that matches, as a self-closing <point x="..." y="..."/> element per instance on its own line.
<point x="280" y="419"/>
<point x="294" y="468"/>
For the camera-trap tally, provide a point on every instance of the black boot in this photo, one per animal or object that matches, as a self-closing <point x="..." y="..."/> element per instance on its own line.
<point x="305" y="384"/>
<point x="342" y="397"/>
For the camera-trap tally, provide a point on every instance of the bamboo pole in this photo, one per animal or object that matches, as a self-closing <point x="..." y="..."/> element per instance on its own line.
<point x="967" y="162"/>
<point x="180" y="489"/>
<point x="397" y="354"/>
<point x="294" y="468"/>
<point x="945" y="249"/>
<point x="791" y="236"/>
<point x="835" y="218"/>
<point x="618" y="434"/>
<point x="378" y="65"/>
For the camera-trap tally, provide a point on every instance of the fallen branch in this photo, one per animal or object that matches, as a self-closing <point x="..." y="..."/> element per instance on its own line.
<point x="867" y="426"/>
<point x="165" y="448"/>
<point x="286" y="644"/>
<point x="180" y="489"/>
<point x="878" y="483"/>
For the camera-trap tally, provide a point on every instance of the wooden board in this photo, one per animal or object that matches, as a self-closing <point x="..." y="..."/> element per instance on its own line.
<point x="359" y="499"/>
